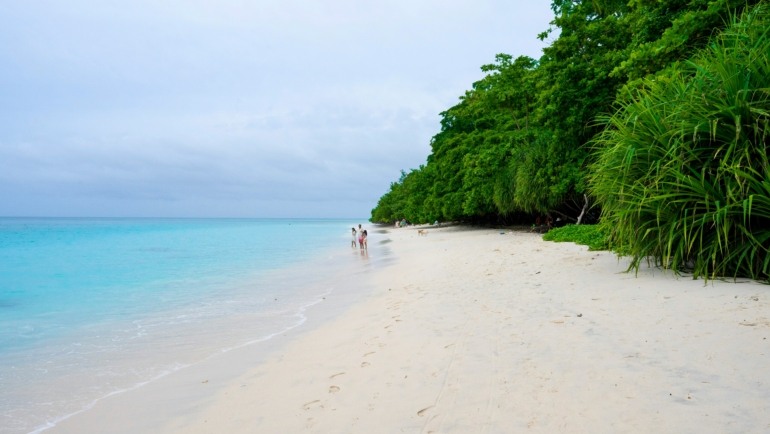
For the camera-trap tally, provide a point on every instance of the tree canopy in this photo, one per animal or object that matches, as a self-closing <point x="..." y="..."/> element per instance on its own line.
<point x="520" y="140"/>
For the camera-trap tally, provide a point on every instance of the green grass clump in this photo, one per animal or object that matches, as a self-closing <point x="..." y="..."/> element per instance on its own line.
<point x="592" y="236"/>
<point x="682" y="173"/>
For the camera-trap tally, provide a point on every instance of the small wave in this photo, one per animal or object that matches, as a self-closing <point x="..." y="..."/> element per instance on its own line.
<point x="300" y="314"/>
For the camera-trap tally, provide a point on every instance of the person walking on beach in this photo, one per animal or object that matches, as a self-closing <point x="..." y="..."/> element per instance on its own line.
<point x="353" y="245"/>
<point x="366" y="240"/>
<point x="361" y="238"/>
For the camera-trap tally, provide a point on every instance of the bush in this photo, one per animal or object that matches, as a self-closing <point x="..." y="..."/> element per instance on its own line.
<point x="682" y="173"/>
<point x="593" y="236"/>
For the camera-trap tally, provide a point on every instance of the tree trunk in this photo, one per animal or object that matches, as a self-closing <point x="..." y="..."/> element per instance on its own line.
<point x="526" y="110"/>
<point x="514" y="117"/>
<point x="583" y="212"/>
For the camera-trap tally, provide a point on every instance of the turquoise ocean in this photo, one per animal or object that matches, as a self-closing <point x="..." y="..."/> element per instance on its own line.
<point x="93" y="307"/>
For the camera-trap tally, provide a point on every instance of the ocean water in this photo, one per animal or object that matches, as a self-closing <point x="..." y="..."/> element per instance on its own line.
<point x="93" y="307"/>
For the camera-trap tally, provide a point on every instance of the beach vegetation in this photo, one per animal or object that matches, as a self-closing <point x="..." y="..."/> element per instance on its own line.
<point x="593" y="236"/>
<point x="649" y="117"/>
<point x="681" y="169"/>
<point x="519" y="142"/>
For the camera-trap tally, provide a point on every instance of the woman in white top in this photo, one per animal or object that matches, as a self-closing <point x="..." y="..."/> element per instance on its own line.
<point x="354" y="238"/>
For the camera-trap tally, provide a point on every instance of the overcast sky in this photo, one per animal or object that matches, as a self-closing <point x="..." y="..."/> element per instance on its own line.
<point x="234" y="108"/>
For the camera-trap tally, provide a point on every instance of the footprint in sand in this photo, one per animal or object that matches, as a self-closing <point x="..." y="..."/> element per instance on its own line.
<point x="337" y="375"/>
<point x="369" y="353"/>
<point x="421" y="412"/>
<point x="382" y="345"/>
<point x="365" y="364"/>
<point x="334" y="389"/>
<point x="307" y="406"/>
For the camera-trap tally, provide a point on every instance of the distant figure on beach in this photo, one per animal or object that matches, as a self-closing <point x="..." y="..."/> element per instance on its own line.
<point x="397" y="223"/>
<point x="361" y="238"/>
<point x="435" y="224"/>
<point x="366" y="240"/>
<point x="354" y="238"/>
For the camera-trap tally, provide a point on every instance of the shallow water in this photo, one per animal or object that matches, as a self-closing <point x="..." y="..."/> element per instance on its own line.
<point x="92" y="307"/>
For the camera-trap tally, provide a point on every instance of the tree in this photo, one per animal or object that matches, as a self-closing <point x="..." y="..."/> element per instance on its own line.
<point x="520" y="140"/>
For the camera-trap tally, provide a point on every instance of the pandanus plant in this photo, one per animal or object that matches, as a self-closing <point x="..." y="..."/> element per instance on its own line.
<point x="681" y="170"/>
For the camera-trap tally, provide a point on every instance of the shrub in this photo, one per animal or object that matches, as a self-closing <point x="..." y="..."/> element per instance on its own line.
<point x="593" y="236"/>
<point x="682" y="173"/>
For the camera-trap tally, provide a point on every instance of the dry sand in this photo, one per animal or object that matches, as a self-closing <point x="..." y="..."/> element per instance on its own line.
<point x="473" y="331"/>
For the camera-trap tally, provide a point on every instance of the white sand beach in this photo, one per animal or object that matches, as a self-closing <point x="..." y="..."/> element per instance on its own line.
<point x="474" y="331"/>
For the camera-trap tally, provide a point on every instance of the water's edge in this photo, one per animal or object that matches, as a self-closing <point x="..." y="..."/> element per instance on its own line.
<point x="334" y="272"/>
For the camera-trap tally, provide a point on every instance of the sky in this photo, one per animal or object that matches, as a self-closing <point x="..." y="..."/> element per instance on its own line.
<point x="234" y="108"/>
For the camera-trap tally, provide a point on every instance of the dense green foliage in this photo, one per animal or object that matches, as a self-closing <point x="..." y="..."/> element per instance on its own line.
<point x="518" y="142"/>
<point x="682" y="171"/>
<point x="593" y="236"/>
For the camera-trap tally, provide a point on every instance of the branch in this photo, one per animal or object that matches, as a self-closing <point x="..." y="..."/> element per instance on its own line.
<point x="583" y="212"/>
<point x="513" y="114"/>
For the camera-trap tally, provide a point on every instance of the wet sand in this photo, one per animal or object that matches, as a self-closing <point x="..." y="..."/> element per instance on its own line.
<point x="473" y="331"/>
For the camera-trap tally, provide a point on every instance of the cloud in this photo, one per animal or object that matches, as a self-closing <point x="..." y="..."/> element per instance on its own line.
<point x="233" y="108"/>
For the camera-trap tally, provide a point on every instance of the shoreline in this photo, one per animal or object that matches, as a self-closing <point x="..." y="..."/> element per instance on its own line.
<point x="504" y="333"/>
<point x="299" y="313"/>
<point x="299" y="287"/>
<point x="170" y="394"/>
<point x="339" y="295"/>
